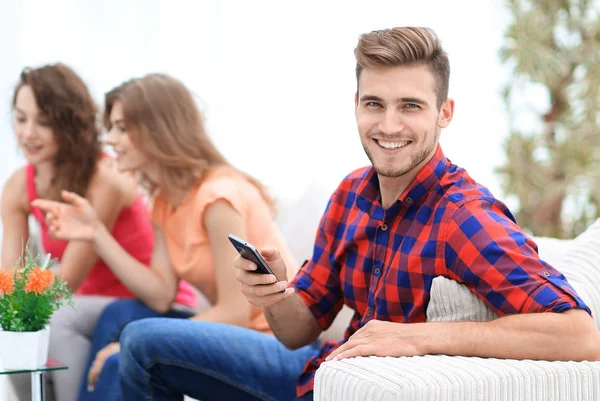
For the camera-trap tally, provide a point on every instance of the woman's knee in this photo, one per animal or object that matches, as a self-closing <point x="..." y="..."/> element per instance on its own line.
<point x="136" y="343"/>
<point x="64" y="327"/>
<point x="124" y="309"/>
<point x="148" y="339"/>
<point x="117" y="315"/>
<point x="79" y="320"/>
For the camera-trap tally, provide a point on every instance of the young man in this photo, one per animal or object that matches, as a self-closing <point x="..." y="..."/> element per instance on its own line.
<point x="388" y="230"/>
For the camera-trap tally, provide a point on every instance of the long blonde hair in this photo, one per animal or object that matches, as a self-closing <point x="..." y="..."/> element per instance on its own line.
<point x="168" y="128"/>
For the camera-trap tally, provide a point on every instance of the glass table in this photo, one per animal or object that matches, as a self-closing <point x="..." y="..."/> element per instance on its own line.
<point x="37" y="377"/>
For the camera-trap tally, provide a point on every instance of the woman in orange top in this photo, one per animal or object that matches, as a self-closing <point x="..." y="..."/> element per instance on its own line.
<point x="157" y="131"/>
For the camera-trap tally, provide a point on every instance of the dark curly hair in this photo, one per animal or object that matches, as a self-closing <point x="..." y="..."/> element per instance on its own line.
<point x="64" y="99"/>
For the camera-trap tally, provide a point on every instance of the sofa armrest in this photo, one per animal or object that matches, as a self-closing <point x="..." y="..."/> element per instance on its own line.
<point x="447" y="378"/>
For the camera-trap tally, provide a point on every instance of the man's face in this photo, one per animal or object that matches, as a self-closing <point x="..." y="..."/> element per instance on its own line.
<point x="397" y="118"/>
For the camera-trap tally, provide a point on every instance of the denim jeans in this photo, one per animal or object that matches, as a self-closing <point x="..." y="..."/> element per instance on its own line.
<point x="108" y="329"/>
<point x="161" y="359"/>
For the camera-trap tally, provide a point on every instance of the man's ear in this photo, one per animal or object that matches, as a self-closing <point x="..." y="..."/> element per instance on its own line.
<point x="446" y="113"/>
<point x="356" y="100"/>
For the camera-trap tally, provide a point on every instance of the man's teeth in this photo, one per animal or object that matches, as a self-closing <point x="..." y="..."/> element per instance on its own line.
<point x="32" y="148"/>
<point x="392" y="145"/>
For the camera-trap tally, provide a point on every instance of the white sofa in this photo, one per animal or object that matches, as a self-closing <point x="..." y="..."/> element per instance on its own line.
<point x="445" y="378"/>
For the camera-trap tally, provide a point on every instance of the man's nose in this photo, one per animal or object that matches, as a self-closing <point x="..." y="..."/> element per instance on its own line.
<point x="391" y="122"/>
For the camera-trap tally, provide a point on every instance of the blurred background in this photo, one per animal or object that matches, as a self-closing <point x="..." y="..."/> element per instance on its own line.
<point x="276" y="82"/>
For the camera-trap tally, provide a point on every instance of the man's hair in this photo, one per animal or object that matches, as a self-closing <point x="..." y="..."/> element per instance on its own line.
<point x="405" y="46"/>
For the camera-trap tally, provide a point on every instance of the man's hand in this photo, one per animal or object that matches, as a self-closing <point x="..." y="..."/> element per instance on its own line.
<point x="98" y="363"/>
<point x="263" y="290"/>
<point x="380" y="338"/>
<point x="549" y="336"/>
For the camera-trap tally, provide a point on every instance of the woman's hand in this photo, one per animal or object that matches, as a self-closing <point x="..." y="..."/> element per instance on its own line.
<point x="98" y="363"/>
<point x="74" y="220"/>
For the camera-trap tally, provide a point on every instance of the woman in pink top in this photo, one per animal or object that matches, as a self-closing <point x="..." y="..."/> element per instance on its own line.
<point x="55" y="126"/>
<point x="157" y="131"/>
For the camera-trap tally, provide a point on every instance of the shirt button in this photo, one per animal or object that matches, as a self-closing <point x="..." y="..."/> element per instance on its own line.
<point x="408" y="199"/>
<point x="384" y="226"/>
<point x="377" y="271"/>
<point x="546" y="274"/>
<point x="369" y="313"/>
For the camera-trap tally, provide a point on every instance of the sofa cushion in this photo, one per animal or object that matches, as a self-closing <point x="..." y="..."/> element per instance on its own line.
<point x="453" y="302"/>
<point x="552" y="249"/>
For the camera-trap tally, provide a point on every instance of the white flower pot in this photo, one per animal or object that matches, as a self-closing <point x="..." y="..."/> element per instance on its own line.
<point x="24" y="350"/>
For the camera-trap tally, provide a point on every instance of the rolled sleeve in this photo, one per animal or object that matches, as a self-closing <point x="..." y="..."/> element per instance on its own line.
<point x="564" y="299"/>
<point x="318" y="282"/>
<point x="487" y="250"/>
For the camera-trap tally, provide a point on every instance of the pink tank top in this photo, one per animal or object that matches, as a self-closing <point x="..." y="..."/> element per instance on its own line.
<point x="132" y="230"/>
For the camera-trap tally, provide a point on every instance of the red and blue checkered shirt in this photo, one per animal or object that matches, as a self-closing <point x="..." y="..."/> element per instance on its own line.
<point x="381" y="262"/>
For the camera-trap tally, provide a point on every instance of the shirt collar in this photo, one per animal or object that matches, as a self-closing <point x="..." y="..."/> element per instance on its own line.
<point x="368" y="190"/>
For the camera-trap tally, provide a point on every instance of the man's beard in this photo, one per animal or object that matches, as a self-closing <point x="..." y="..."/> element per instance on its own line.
<point x="415" y="160"/>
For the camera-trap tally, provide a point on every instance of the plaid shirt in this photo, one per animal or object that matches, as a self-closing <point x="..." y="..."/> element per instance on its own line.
<point x="381" y="263"/>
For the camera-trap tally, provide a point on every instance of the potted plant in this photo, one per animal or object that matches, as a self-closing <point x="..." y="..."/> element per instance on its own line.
<point x="29" y="295"/>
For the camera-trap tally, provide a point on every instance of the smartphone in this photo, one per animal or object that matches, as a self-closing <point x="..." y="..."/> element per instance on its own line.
<point x="248" y="251"/>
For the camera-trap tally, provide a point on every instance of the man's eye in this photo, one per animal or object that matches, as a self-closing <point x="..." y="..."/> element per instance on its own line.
<point x="44" y="123"/>
<point x="372" y="104"/>
<point x="411" y="106"/>
<point x="20" y="120"/>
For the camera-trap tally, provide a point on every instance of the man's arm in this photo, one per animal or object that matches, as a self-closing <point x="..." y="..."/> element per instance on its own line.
<point x="567" y="336"/>
<point x="297" y="332"/>
<point x="312" y="300"/>
<point x="487" y="251"/>
<point x="484" y="248"/>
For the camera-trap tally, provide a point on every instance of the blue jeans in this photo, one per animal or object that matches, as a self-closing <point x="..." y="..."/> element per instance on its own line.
<point x="111" y="322"/>
<point x="162" y="359"/>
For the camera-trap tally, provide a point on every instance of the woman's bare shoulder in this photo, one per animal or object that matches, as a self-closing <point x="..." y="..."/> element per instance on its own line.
<point x="108" y="181"/>
<point x="14" y="192"/>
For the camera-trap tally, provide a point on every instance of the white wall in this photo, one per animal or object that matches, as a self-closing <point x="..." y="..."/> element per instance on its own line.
<point x="275" y="78"/>
<point x="268" y="73"/>
<point x="8" y="64"/>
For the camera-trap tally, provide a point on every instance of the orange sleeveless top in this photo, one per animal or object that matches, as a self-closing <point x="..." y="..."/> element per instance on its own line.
<point x="188" y="242"/>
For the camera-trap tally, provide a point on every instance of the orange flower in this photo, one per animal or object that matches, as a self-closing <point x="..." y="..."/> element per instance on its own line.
<point x="39" y="280"/>
<point x="7" y="282"/>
